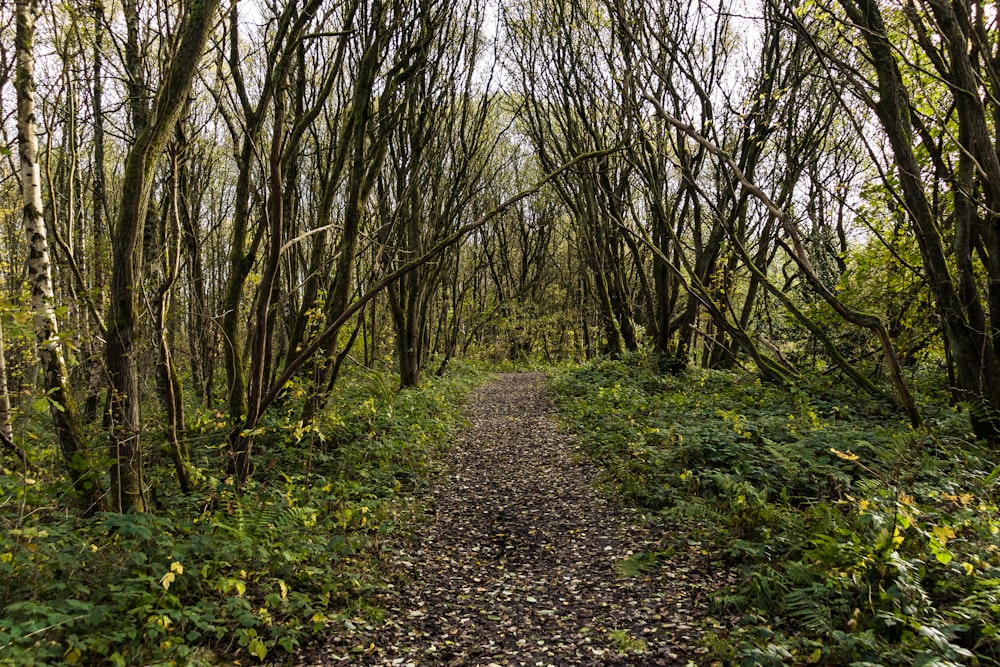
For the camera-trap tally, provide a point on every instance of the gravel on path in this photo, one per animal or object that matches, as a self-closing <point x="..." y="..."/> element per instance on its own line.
<point x="523" y="562"/>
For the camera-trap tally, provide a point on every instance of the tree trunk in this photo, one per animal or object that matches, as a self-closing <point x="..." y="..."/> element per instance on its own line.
<point x="6" y="429"/>
<point x="167" y="377"/>
<point x="976" y="366"/>
<point x="95" y="368"/>
<point x="128" y="487"/>
<point x="58" y="391"/>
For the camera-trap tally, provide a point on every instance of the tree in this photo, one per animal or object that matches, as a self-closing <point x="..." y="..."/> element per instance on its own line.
<point x="922" y="81"/>
<point x="58" y="392"/>
<point x="154" y="126"/>
<point x="777" y="91"/>
<point x="560" y="61"/>
<point x="439" y="157"/>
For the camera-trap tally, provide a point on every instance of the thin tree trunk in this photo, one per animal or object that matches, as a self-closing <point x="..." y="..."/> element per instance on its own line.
<point x="169" y="381"/>
<point x="95" y="369"/>
<point x="56" y="376"/>
<point x="260" y="348"/>
<point x="6" y="429"/>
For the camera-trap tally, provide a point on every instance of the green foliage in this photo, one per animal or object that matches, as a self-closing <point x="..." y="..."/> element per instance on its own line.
<point x="626" y="644"/>
<point x="220" y="573"/>
<point x="858" y="540"/>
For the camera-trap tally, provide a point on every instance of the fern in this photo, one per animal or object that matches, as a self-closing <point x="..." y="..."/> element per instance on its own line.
<point x="801" y="574"/>
<point x="765" y="588"/>
<point x="985" y="418"/>
<point x="694" y="510"/>
<point x="807" y="605"/>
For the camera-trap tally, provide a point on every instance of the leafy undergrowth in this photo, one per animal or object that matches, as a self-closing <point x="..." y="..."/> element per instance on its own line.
<point x="860" y="541"/>
<point x="220" y="576"/>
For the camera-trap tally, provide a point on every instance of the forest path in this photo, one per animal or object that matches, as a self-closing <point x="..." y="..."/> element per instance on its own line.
<point x="519" y="561"/>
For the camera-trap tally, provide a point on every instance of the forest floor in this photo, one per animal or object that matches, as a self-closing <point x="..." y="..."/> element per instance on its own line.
<point x="522" y="560"/>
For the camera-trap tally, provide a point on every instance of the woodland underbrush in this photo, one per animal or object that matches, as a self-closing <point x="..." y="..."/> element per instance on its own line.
<point x="858" y="540"/>
<point x="220" y="575"/>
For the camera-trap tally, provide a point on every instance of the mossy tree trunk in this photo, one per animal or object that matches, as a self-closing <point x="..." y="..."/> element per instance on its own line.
<point x="128" y="487"/>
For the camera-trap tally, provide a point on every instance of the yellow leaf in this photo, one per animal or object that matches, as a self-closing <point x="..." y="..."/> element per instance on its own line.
<point x="847" y="456"/>
<point x="943" y="534"/>
<point x="969" y="568"/>
<point x="283" y="588"/>
<point x="167" y="579"/>
<point x="815" y="657"/>
<point x="162" y="621"/>
<point x="905" y="498"/>
<point x="176" y="568"/>
<point x="72" y="655"/>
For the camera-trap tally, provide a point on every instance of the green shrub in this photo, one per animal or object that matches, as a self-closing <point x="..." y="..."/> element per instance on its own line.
<point x="858" y="539"/>
<point x="222" y="573"/>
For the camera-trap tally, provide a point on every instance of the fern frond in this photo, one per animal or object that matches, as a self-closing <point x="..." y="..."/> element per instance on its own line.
<point x="807" y="605"/>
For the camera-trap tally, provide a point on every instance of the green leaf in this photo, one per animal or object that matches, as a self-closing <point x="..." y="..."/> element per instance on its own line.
<point x="257" y="648"/>
<point x="943" y="555"/>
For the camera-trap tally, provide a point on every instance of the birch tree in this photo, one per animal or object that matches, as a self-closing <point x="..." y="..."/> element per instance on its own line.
<point x="58" y="391"/>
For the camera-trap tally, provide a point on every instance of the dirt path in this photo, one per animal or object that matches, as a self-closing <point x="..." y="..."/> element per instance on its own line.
<point x="520" y="562"/>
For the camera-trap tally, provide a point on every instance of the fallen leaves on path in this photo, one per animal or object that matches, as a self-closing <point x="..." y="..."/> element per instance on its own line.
<point x="523" y="562"/>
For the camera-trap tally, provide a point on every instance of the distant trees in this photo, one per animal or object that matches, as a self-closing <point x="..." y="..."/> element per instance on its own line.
<point x="738" y="186"/>
<point x="437" y="174"/>
<point x="569" y="107"/>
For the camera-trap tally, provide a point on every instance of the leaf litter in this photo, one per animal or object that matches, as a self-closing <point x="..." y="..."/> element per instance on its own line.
<point x="522" y="561"/>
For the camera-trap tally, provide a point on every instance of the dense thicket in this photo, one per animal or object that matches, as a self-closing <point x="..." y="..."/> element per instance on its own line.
<point x="850" y="538"/>
<point x="222" y="206"/>
<point x="759" y="173"/>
